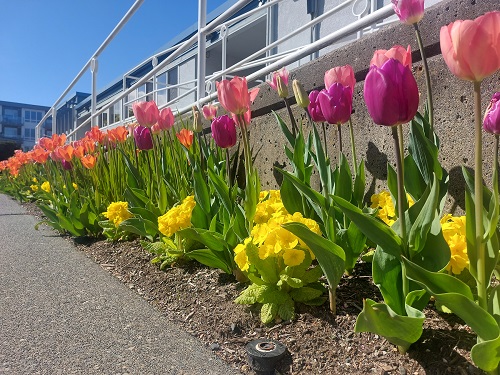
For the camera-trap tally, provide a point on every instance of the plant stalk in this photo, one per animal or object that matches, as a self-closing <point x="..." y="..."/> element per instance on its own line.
<point x="401" y="149"/>
<point x="427" y="77"/>
<point x="292" y="119"/>
<point x="324" y="138"/>
<point x="478" y="201"/>
<point x="340" y="141"/>
<point x="353" y="147"/>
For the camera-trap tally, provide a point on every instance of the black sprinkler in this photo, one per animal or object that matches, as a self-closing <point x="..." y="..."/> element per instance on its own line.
<point x="264" y="355"/>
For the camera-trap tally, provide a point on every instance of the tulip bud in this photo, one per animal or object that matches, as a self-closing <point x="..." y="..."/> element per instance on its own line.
<point x="409" y="11"/>
<point x="209" y="111"/>
<point x="224" y="131"/>
<point x="282" y="87"/>
<point x="491" y="121"/>
<point x="300" y="94"/>
<point x="197" y="126"/>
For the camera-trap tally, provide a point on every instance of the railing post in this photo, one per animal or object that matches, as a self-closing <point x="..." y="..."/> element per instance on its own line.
<point x="54" y="120"/>
<point x="202" y="22"/>
<point x="93" y="69"/>
<point x="223" y="35"/>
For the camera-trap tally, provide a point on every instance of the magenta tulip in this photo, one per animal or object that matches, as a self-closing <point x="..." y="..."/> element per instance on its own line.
<point x="67" y="166"/>
<point x="336" y="103"/>
<point x="142" y="136"/>
<point x="224" y="131"/>
<point x="409" y="11"/>
<point x="391" y="93"/>
<point x="146" y="113"/>
<point x="314" y="107"/>
<point x="491" y="121"/>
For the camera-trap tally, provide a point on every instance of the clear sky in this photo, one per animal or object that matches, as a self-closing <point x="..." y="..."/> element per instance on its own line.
<point x="45" y="43"/>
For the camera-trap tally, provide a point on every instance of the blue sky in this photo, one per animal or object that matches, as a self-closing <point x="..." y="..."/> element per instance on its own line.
<point x="45" y="43"/>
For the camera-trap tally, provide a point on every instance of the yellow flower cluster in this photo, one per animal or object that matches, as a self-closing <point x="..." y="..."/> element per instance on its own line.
<point x="270" y="238"/>
<point x="117" y="212"/>
<point x="177" y="218"/>
<point x="383" y="202"/>
<point x="46" y="186"/>
<point x="34" y="187"/>
<point x="454" y="233"/>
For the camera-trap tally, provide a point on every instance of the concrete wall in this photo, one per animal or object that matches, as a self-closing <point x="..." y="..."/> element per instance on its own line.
<point x="453" y="102"/>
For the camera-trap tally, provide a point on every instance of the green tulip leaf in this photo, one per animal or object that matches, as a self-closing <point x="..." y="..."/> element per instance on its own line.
<point x="486" y="355"/>
<point x="210" y="259"/>
<point x="387" y="275"/>
<point x="380" y="319"/>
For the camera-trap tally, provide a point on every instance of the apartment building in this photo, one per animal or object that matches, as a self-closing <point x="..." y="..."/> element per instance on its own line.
<point x="18" y="121"/>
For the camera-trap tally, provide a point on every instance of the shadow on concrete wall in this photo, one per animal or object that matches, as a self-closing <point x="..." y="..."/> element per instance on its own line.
<point x="376" y="164"/>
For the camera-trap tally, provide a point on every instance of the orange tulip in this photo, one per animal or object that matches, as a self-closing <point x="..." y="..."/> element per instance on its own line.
<point x="95" y="134"/>
<point x="471" y="48"/>
<point x="64" y="152"/>
<point x="117" y="135"/>
<point x="185" y="137"/>
<point x="88" y="161"/>
<point x="397" y="52"/>
<point x="40" y="155"/>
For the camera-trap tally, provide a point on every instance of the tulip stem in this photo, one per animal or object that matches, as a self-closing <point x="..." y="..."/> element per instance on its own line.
<point x="478" y="201"/>
<point x="401" y="148"/>
<point x="228" y="171"/>
<point x="324" y="138"/>
<point x="401" y="191"/>
<point x="340" y="141"/>
<point x="353" y="148"/>
<point x="427" y="79"/>
<point x="292" y="119"/>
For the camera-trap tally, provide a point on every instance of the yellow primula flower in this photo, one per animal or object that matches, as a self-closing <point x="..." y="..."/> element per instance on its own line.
<point x="117" y="212"/>
<point x="241" y="257"/>
<point x="293" y="257"/>
<point x="46" y="186"/>
<point x="35" y="180"/>
<point x="34" y="187"/>
<point x="177" y="218"/>
<point x="383" y="202"/>
<point x="75" y="186"/>
<point x="454" y="233"/>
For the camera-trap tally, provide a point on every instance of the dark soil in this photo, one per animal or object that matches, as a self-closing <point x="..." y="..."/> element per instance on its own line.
<point x="201" y="299"/>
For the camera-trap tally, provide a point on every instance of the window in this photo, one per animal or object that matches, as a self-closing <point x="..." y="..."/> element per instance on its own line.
<point x="161" y="94"/>
<point x="116" y="112"/>
<point x="29" y="133"/>
<point x="33" y="116"/>
<point x="172" y="79"/>
<point x="10" y="132"/>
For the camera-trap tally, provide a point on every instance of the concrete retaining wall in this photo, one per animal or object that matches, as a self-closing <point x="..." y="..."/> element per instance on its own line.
<point x="453" y="103"/>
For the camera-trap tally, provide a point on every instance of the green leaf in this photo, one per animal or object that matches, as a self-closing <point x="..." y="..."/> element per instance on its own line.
<point x="343" y="181"/>
<point x="424" y="153"/>
<point x="330" y="256"/>
<point x="322" y="163"/>
<point x="268" y="312"/>
<point x="291" y="197"/>
<point x="359" y="184"/>
<point x="250" y="295"/>
<point x="222" y="190"/>
<point x="213" y="240"/>
<point x="201" y="193"/>
<point x="305" y="294"/>
<point x="374" y="229"/>
<point x="292" y="281"/>
<point x="284" y="128"/>
<point x="312" y="275"/>
<point x="380" y="319"/>
<point x="387" y="275"/>
<point x="486" y="355"/>
<point x="210" y="259"/>
<point x="415" y="184"/>
<point x="134" y="179"/>
<point x="286" y="310"/>
<point x="494" y="302"/>
<point x="136" y="226"/>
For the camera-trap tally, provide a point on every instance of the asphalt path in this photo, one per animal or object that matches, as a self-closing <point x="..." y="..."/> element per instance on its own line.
<point x="60" y="313"/>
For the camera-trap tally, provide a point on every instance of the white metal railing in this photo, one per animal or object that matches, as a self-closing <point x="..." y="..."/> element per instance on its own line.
<point x="367" y="18"/>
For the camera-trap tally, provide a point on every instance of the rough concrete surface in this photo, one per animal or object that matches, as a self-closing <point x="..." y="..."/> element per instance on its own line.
<point x="60" y="313"/>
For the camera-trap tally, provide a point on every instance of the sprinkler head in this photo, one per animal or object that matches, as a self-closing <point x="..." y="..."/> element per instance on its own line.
<point x="264" y="355"/>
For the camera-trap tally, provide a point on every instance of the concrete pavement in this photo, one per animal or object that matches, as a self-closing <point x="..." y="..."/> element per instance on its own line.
<point x="60" y="313"/>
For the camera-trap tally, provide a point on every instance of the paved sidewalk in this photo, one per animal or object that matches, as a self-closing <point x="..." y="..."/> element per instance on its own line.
<point x="60" y="313"/>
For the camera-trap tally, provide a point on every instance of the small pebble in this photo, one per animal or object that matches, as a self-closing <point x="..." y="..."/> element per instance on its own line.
<point x="214" y="346"/>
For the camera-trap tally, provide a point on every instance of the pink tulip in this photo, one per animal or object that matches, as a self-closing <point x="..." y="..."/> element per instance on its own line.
<point x="146" y="113"/>
<point x="209" y="111"/>
<point x="336" y="103"/>
<point x="279" y="82"/>
<point x="314" y="107"/>
<point x="234" y="95"/>
<point x="471" y="49"/>
<point x="491" y="121"/>
<point x="224" y="131"/>
<point x="391" y="93"/>
<point x="397" y="52"/>
<point x="409" y="11"/>
<point x="340" y="74"/>
<point x="166" y="119"/>
<point x="142" y="136"/>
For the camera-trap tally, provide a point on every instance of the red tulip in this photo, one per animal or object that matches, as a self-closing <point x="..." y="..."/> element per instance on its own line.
<point x="209" y="111"/>
<point x="224" y="131"/>
<point x="491" y="121"/>
<point x="146" y="113"/>
<point x="397" y="52"/>
<point x="314" y="107"/>
<point x="234" y="95"/>
<point x="142" y="136"/>
<point x="336" y="103"/>
<point x="391" y="93"/>
<point x="471" y="49"/>
<point x="340" y="74"/>
<point x="409" y="11"/>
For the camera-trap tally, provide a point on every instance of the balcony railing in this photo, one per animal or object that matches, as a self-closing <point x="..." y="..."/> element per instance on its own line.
<point x="11" y="120"/>
<point x="366" y="19"/>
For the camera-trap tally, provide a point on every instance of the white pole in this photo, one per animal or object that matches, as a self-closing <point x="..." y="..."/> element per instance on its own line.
<point x="93" y="69"/>
<point x="202" y="22"/>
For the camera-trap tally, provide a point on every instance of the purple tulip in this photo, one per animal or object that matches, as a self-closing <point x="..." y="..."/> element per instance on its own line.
<point x="314" y="108"/>
<point x="224" y="131"/>
<point x="67" y="166"/>
<point x="336" y="103"/>
<point x="491" y="121"/>
<point x="142" y="136"/>
<point x="391" y="93"/>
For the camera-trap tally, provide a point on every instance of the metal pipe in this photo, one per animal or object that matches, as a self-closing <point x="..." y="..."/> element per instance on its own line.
<point x="202" y="41"/>
<point x="93" y="69"/>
